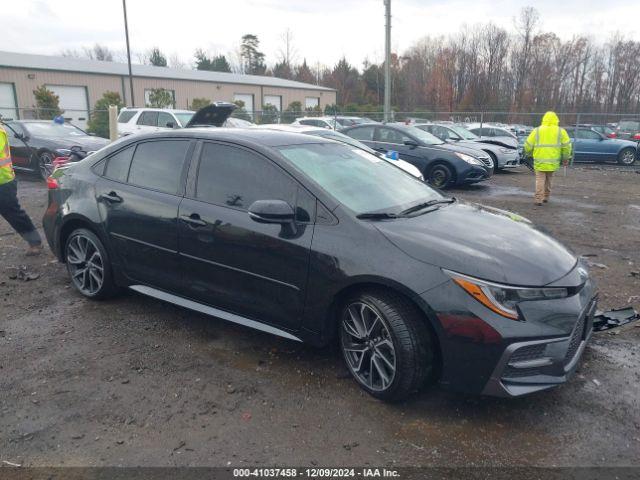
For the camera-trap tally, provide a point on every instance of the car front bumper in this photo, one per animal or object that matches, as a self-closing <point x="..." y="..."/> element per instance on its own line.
<point x="509" y="160"/>
<point x="485" y="353"/>
<point x="530" y="366"/>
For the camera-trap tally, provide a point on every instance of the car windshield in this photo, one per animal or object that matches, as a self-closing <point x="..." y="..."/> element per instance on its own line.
<point x="57" y="130"/>
<point x="362" y="182"/>
<point x="184" y="118"/>
<point x="463" y="132"/>
<point x="425" y="137"/>
<point x="341" y="137"/>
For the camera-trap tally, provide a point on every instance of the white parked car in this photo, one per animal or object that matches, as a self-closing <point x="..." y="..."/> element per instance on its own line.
<point x="322" y="122"/>
<point x="144" y="120"/>
<point x="340" y="137"/>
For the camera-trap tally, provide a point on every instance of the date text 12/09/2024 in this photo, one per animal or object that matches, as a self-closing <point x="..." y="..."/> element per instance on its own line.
<point x="315" y="473"/>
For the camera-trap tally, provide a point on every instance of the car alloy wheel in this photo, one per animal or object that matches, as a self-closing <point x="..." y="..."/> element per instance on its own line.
<point x="45" y="164"/>
<point x="367" y="346"/>
<point x="85" y="265"/>
<point x="440" y="176"/>
<point x="627" y="157"/>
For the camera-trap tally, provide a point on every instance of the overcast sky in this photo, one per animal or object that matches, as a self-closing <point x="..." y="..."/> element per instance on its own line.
<point x="323" y="30"/>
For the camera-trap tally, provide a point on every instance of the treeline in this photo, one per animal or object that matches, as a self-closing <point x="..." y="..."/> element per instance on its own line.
<point x="485" y="67"/>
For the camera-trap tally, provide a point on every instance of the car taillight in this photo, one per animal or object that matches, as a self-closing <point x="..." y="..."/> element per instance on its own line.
<point x="636" y="136"/>
<point x="612" y="135"/>
<point x="58" y="161"/>
<point x="52" y="183"/>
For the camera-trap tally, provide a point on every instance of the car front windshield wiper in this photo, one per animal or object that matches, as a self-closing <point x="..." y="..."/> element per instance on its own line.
<point x="430" y="203"/>
<point x="377" y="215"/>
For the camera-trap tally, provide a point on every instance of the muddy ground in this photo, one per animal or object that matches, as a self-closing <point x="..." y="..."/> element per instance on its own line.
<point x="136" y="382"/>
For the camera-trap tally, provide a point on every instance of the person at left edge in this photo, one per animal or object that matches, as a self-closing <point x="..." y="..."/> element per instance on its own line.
<point x="10" y="208"/>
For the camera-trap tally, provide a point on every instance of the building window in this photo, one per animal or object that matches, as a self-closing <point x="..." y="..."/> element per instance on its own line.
<point x="159" y="98"/>
<point x="275" y="100"/>
<point x="311" y="102"/>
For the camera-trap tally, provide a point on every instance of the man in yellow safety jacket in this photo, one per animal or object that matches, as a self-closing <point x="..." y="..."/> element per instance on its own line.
<point x="548" y="144"/>
<point x="9" y="206"/>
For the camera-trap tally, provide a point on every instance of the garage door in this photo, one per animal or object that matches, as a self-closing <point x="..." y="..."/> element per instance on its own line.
<point x="73" y="100"/>
<point x="8" y="102"/>
<point x="275" y="100"/>
<point x="247" y="98"/>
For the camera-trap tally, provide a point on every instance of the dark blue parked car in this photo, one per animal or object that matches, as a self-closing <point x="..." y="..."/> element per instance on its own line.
<point x="591" y="146"/>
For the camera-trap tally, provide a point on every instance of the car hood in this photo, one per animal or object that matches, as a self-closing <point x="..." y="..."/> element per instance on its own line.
<point x="502" y="141"/>
<point x="457" y="147"/>
<point x="88" y="143"/>
<point x="475" y="145"/>
<point x="482" y="242"/>
<point x="213" y="115"/>
<point x="622" y="142"/>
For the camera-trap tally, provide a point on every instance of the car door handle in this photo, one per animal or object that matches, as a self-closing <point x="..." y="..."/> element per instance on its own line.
<point x="111" y="197"/>
<point x="193" y="219"/>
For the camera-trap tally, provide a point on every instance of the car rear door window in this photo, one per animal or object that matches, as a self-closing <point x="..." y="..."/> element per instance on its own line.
<point x="117" y="167"/>
<point x="165" y="118"/>
<point x="148" y="118"/>
<point x="362" y="133"/>
<point x="388" y="135"/>
<point x="236" y="177"/>
<point x="158" y="165"/>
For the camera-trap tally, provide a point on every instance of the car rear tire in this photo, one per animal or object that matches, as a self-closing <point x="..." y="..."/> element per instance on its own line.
<point x="45" y="164"/>
<point x="627" y="156"/>
<point x="386" y="344"/>
<point x="88" y="265"/>
<point x="439" y="176"/>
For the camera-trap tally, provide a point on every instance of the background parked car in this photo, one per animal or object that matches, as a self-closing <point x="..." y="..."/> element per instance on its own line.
<point x="341" y="137"/>
<point x="498" y="135"/>
<point x="503" y="157"/>
<point x="334" y="123"/>
<point x="441" y="164"/>
<point x="146" y="120"/>
<point x="36" y="143"/>
<point x="628" y="130"/>
<point x="591" y="146"/>
<point x="605" y="130"/>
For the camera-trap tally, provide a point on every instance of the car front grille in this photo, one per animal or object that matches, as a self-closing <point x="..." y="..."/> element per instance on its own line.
<point x="487" y="162"/>
<point x="575" y="340"/>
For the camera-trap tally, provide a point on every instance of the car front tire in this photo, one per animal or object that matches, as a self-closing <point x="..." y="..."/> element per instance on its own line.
<point x="627" y="156"/>
<point x="88" y="265"/>
<point x="45" y="164"/>
<point x="439" y="176"/>
<point x="386" y="344"/>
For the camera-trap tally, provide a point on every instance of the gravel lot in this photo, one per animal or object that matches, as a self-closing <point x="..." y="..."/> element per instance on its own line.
<point x="136" y="382"/>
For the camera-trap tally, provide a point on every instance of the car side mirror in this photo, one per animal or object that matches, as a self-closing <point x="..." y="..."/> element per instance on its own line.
<point x="271" y="211"/>
<point x="411" y="143"/>
<point x="170" y="125"/>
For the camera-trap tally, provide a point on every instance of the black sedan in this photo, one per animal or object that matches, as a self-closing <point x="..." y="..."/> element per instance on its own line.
<point x="321" y="242"/>
<point x="36" y="143"/>
<point x="441" y="164"/>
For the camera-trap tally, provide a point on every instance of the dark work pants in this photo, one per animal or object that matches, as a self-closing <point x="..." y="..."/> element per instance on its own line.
<point x="14" y="214"/>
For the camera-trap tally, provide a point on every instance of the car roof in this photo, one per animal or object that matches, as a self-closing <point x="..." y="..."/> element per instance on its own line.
<point x="287" y="127"/>
<point x="257" y="136"/>
<point x="151" y="109"/>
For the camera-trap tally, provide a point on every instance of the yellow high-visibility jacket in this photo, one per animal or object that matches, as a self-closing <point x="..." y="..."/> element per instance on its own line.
<point x="549" y="144"/>
<point x="6" y="167"/>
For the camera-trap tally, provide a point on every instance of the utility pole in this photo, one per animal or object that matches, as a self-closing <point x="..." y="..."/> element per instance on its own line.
<point x="126" y="33"/>
<point x="387" y="61"/>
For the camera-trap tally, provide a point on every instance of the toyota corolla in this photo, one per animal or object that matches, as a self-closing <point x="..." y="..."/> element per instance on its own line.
<point x="320" y="242"/>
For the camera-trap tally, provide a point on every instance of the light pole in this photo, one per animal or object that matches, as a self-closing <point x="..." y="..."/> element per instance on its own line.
<point x="387" y="61"/>
<point x="126" y="33"/>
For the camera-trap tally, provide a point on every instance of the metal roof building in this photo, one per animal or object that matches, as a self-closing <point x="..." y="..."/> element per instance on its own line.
<point x="80" y="83"/>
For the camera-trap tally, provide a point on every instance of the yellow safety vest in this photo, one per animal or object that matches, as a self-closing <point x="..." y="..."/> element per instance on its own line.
<point x="6" y="167"/>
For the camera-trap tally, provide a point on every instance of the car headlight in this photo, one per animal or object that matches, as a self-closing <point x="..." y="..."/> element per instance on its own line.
<point x="63" y="152"/>
<point x="507" y="150"/>
<point x="421" y="177"/>
<point x="502" y="299"/>
<point x="468" y="158"/>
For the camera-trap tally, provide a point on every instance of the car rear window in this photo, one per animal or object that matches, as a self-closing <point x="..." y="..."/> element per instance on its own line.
<point x="126" y="115"/>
